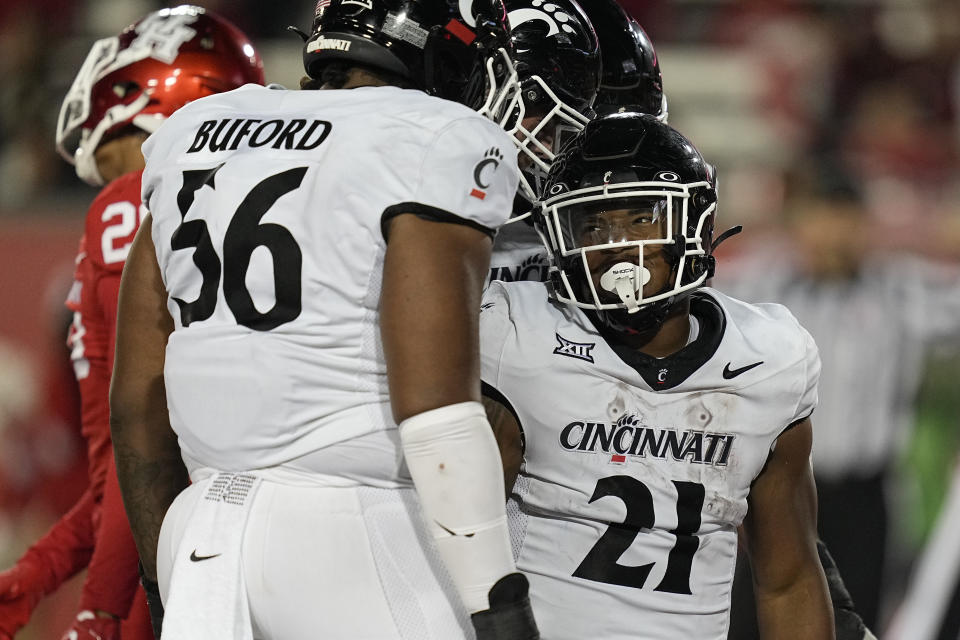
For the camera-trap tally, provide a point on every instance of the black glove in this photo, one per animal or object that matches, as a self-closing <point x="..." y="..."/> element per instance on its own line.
<point x="154" y="604"/>
<point x="509" y="616"/>
<point x="847" y="621"/>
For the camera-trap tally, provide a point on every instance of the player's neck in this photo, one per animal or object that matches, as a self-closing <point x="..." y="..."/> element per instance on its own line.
<point x="120" y="156"/>
<point x="363" y="78"/>
<point x="670" y="337"/>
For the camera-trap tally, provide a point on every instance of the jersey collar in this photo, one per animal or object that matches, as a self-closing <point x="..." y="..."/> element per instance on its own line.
<point x="666" y="373"/>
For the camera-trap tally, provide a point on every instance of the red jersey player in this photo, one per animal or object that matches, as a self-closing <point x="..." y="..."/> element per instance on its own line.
<point x="126" y="87"/>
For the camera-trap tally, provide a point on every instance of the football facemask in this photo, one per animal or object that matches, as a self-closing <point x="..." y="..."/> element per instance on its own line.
<point x="558" y="61"/>
<point x="605" y="240"/>
<point x="539" y="128"/>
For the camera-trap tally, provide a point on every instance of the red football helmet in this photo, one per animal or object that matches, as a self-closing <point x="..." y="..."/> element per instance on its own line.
<point x="150" y="70"/>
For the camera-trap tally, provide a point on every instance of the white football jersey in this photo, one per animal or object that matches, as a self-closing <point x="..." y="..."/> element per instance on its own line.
<point x="518" y="254"/>
<point x="267" y="210"/>
<point x="637" y="469"/>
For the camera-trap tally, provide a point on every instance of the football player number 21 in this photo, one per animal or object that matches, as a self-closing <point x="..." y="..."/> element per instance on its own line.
<point x="601" y="563"/>
<point x="244" y="234"/>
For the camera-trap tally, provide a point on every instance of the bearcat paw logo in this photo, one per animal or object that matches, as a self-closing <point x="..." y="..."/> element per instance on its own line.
<point x="547" y="12"/>
<point x="484" y="170"/>
<point x="495" y="153"/>
<point x="628" y="420"/>
<point x="538" y="259"/>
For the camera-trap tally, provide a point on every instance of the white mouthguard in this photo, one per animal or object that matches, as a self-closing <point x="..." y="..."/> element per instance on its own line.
<point x="626" y="279"/>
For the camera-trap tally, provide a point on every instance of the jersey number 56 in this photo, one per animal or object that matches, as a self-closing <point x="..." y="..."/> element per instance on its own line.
<point x="244" y="234"/>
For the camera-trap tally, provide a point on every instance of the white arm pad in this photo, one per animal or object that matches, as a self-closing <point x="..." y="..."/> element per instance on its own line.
<point x="455" y="465"/>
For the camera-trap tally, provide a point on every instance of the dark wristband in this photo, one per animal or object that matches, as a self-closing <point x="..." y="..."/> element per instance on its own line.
<point x="510" y="616"/>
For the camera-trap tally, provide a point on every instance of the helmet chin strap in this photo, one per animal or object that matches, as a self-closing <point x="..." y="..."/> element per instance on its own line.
<point x="626" y="279"/>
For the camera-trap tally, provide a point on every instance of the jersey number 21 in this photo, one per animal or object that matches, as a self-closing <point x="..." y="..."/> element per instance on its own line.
<point x="601" y="563"/>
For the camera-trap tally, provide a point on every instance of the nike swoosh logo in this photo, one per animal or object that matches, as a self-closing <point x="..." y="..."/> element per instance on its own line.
<point x="195" y="558"/>
<point x="729" y="373"/>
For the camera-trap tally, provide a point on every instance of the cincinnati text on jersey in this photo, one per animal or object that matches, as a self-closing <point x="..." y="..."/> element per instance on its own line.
<point x="535" y="267"/>
<point x="628" y="437"/>
<point x="228" y="134"/>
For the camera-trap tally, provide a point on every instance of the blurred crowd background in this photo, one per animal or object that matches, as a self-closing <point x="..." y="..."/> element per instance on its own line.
<point x="835" y="128"/>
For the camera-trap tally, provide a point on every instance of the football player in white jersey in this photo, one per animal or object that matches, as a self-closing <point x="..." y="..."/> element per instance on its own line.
<point x="298" y="336"/>
<point x="630" y="82"/>
<point x="569" y="78"/>
<point x="646" y="416"/>
<point x="558" y="63"/>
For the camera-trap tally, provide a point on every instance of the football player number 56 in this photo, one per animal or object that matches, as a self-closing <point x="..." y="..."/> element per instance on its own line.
<point x="244" y="234"/>
<point x="601" y="563"/>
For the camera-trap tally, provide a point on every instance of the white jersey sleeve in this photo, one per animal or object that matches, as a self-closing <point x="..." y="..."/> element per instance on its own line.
<point x="808" y="400"/>
<point x="798" y="352"/>
<point x="467" y="175"/>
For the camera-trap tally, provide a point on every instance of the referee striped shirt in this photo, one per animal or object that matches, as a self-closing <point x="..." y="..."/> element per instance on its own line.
<point x="873" y="332"/>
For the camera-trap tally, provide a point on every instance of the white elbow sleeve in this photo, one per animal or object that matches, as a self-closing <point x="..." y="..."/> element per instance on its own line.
<point x="455" y="464"/>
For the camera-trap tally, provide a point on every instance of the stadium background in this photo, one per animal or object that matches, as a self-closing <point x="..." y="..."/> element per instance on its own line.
<point x="787" y="98"/>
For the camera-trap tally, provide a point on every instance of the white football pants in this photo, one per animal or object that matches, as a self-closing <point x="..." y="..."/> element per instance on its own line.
<point x="325" y="563"/>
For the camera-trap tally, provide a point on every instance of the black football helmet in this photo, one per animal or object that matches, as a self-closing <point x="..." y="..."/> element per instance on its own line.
<point x="631" y="72"/>
<point x="628" y="163"/>
<point x="557" y="57"/>
<point x="454" y="49"/>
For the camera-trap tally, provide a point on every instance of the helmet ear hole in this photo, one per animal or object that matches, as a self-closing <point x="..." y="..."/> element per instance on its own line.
<point x="126" y="88"/>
